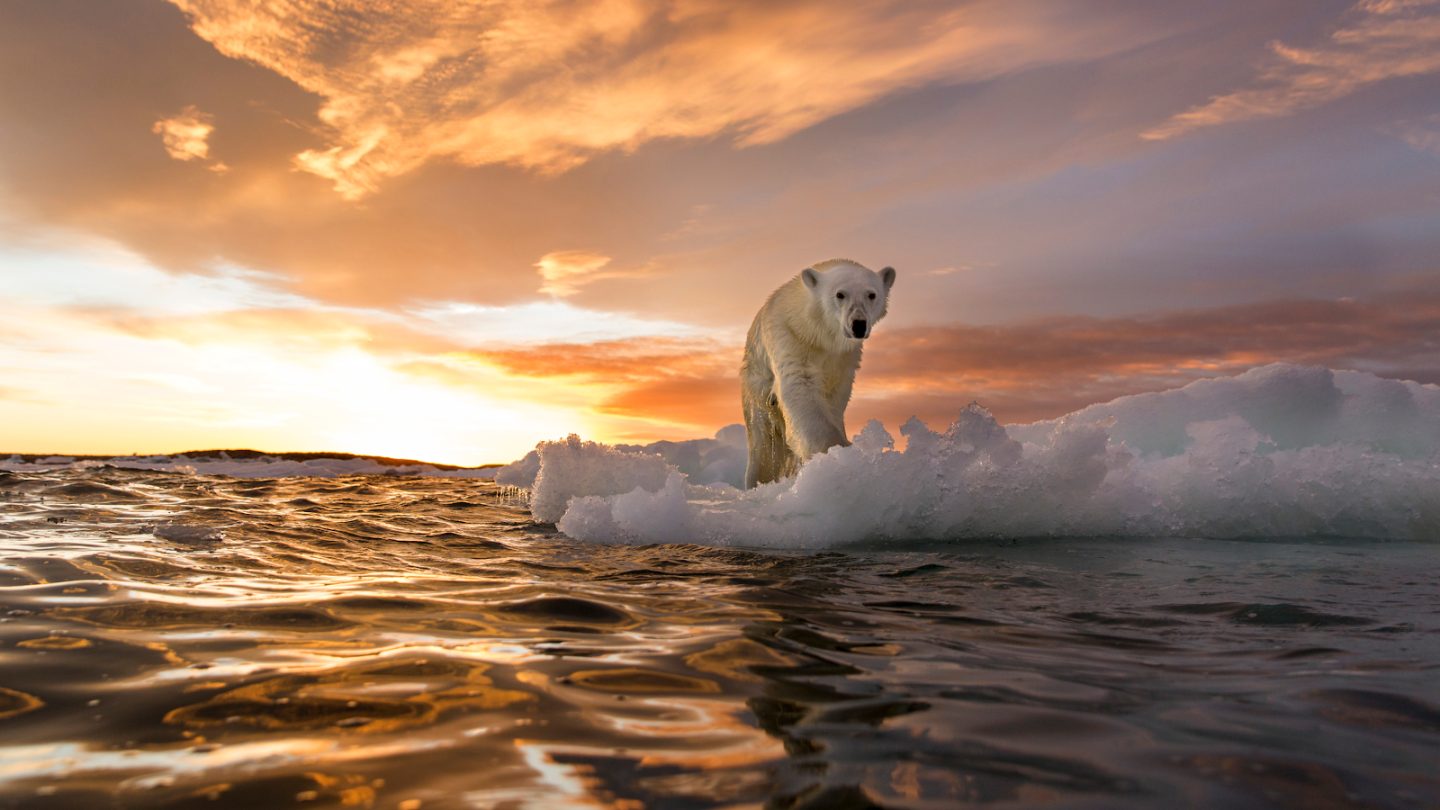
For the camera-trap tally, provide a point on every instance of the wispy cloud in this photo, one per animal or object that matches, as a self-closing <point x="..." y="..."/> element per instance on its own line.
<point x="1423" y="134"/>
<point x="93" y="274"/>
<point x="1023" y="372"/>
<point x="186" y="136"/>
<point x="547" y="86"/>
<point x="564" y="272"/>
<point x="1046" y="368"/>
<point x="538" y="322"/>
<point x="13" y="394"/>
<point x="629" y="360"/>
<point x="1383" y="39"/>
<point x="659" y="384"/>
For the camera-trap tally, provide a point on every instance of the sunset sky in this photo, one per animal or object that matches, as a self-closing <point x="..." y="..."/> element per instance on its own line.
<point x="448" y="230"/>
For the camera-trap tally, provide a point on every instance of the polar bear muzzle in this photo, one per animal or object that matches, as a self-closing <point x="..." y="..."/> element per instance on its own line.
<point x="857" y="328"/>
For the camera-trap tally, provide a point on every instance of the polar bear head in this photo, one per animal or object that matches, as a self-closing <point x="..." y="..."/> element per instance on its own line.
<point x="851" y="296"/>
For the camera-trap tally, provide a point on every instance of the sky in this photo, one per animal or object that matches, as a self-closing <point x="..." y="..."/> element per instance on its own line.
<point x="447" y="231"/>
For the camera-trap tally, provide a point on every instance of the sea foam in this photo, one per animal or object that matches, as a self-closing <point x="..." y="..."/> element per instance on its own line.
<point x="1280" y="451"/>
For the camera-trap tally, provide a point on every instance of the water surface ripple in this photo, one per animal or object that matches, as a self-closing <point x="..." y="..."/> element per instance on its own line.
<point x="189" y="641"/>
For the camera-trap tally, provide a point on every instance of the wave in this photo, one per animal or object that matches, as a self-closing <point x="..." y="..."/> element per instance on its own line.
<point x="1279" y="451"/>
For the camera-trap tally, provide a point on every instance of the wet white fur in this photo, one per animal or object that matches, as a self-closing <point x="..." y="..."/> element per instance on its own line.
<point x="800" y="363"/>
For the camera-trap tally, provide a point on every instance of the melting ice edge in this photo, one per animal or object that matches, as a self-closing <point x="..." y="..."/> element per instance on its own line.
<point x="1279" y="451"/>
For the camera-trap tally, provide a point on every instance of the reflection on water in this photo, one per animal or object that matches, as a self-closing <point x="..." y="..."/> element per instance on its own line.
<point x="177" y="641"/>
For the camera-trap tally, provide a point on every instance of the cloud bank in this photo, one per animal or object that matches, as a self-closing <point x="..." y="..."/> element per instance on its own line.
<point x="1384" y="39"/>
<point x="547" y="86"/>
<point x="1022" y="372"/>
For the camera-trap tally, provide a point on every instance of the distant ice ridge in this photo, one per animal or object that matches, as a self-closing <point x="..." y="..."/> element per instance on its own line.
<point x="1280" y="451"/>
<point x="263" y="467"/>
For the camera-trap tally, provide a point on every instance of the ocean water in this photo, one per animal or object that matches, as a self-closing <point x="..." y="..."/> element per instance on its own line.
<point x="188" y="640"/>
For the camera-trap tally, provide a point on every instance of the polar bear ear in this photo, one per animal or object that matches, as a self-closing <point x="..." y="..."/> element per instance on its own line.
<point x="888" y="276"/>
<point x="809" y="276"/>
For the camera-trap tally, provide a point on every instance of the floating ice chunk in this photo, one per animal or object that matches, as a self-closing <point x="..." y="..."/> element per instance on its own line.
<point x="874" y="438"/>
<point x="631" y="514"/>
<point x="574" y="467"/>
<point x="1280" y="451"/>
<point x="519" y="473"/>
<point x="703" y="461"/>
<point x="723" y="462"/>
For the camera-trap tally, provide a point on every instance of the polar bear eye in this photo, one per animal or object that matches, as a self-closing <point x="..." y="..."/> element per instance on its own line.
<point x="872" y="296"/>
<point x="841" y="296"/>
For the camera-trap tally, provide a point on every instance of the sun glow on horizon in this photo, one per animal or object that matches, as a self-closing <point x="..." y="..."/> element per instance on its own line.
<point x="105" y="354"/>
<point x="399" y="415"/>
<point x="229" y="395"/>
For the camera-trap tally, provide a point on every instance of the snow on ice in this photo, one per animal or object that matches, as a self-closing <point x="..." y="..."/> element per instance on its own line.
<point x="1280" y="451"/>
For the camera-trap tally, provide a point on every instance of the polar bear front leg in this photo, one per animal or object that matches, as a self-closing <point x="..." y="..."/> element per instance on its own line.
<point x="767" y="458"/>
<point x="810" y="427"/>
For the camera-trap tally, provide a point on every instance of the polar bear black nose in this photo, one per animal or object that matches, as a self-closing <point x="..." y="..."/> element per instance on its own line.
<point x="857" y="327"/>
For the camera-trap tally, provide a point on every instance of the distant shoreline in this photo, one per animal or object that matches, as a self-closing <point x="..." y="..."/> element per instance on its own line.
<point x="245" y="454"/>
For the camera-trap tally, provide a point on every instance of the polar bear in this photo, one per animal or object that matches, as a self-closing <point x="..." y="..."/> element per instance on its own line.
<point x="800" y="362"/>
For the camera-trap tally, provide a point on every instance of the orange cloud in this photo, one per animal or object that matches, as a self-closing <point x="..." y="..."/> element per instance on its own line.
<point x="547" y="86"/>
<point x="1387" y="39"/>
<point x="628" y="360"/>
<point x="1022" y="372"/>
<point x="640" y="388"/>
<point x="564" y="272"/>
<point x="1043" y="369"/>
<point x="299" y="330"/>
<point x="667" y="387"/>
<point x="699" y="404"/>
<point x="186" y="135"/>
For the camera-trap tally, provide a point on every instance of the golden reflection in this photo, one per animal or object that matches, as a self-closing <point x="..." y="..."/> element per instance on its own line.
<point x="467" y="626"/>
<point x="566" y="785"/>
<point x="905" y="780"/>
<point x="701" y="732"/>
<point x="374" y="698"/>
<point x="161" y="615"/>
<point x="668" y="729"/>
<point x="634" y="679"/>
<point x="204" y="686"/>
<point x="212" y="792"/>
<point x="171" y="657"/>
<point x="353" y="790"/>
<point x="733" y="659"/>
<point x="55" y="643"/>
<point x="14" y="703"/>
<point x="498" y="652"/>
<point x="915" y="782"/>
<point x="686" y="610"/>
